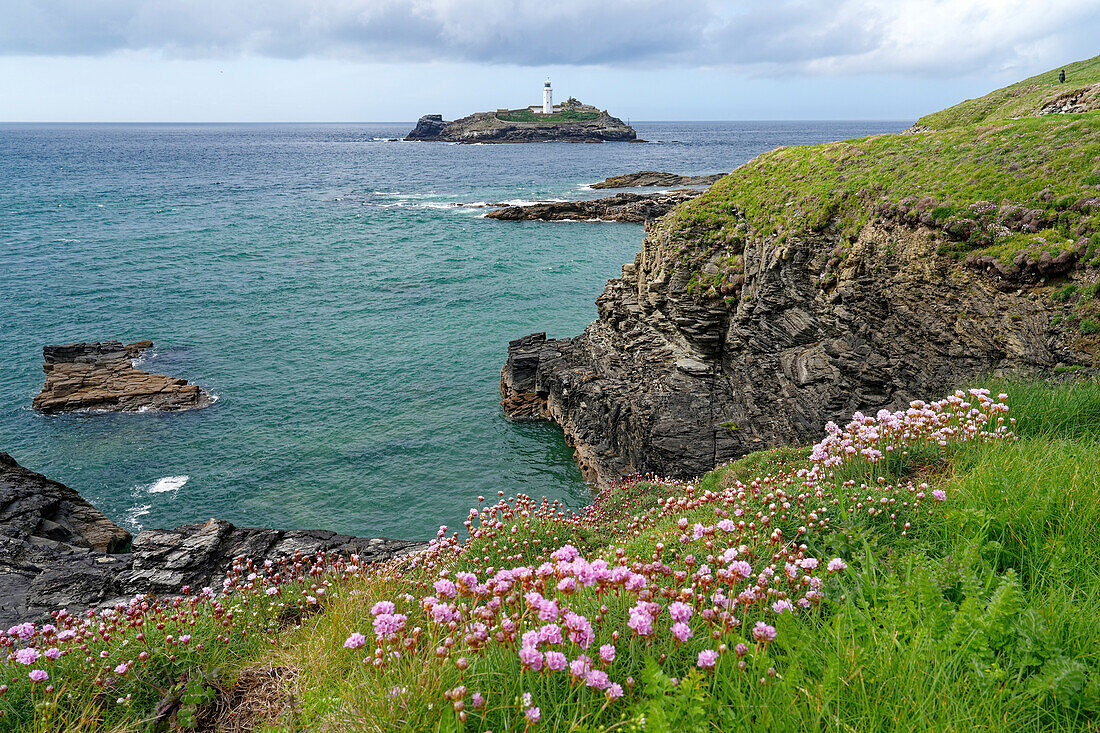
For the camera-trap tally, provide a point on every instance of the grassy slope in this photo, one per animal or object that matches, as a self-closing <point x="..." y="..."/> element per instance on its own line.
<point x="1016" y="100"/>
<point x="986" y="617"/>
<point x="995" y="186"/>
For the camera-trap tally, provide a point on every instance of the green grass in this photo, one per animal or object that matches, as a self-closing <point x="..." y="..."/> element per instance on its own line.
<point x="1021" y="99"/>
<point x="527" y="116"/>
<point x="981" y="188"/>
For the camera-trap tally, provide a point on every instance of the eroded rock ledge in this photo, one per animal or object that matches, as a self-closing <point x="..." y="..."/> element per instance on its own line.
<point x="635" y="208"/>
<point x="656" y="178"/>
<point x="673" y="383"/>
<point x="101" y="376"/>
<point x="59" y="551"/>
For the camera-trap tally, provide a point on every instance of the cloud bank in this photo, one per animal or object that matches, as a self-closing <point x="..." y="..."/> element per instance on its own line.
<point x="930" y="37"/>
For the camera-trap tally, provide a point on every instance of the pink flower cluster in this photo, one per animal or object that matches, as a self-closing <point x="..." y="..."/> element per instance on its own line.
<point x="962" y="417"/>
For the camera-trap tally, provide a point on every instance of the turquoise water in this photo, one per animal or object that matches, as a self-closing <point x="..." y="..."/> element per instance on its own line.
<point x="321" y="281"/>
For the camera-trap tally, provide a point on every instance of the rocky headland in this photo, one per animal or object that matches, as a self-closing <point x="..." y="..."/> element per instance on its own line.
<point x="101" y="376"/>
<point x="635" y="208"/>
<point x="59" y="551"/>
<point x="656" y="178"/>
<point x="575" y="123"/>
<point x="813" y="282"/>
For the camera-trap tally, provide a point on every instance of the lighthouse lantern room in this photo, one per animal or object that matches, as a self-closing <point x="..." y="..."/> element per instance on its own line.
<point x="547" y="98"/>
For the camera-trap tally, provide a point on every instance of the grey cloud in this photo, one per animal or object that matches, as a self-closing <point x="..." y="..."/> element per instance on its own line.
<point x="781" y="36"/>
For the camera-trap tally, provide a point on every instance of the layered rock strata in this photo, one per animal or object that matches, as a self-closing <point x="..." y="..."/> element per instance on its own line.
<point x="656" y="178"/>
<point x="59" y="551"/>
<point x="673" y="383"/>
<point x="636" y="208"/>
<point x="101" y="376"/>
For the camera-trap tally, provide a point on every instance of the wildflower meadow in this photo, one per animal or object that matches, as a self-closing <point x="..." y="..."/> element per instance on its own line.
<point x="928" y="565"/>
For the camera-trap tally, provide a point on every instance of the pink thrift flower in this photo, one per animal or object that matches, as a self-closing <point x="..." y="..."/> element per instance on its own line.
<point x="38" y="675"/>
<point x="939" y="495"/>
<point x="122" y="669"/>
<point x="555" y="661"/>
<point x="615" y="691"/>
<point x="836" y="565"/>
<point x="580" y="666"/>
<point x="782" y="605"/>
<point x="52" y="653"/>
<point x="681" y="631"/>
<point x="355" y="641"/>
<point x="382" y="607"/>
<point x="763" y="633"/>
<point x="27" y="656"/>
<point x="707" y="659"/>
<point x="598" y="679"/>
<point x="607" y="653"/>
<point x="445" y="588"/>
<point x="531" y="658"/>
<point x="533" y="714"/>
<point x="477" y="700"/>
<point x="679" y="611"/>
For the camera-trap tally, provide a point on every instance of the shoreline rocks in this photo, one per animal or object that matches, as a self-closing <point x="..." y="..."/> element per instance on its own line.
<point x="59" y="551"/>
<point x="656" y="178"/>
<point x="634" y="208"/>
<point x="101" y="376"/>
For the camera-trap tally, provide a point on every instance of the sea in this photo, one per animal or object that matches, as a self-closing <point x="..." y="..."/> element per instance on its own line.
<point x="340" y="292"/>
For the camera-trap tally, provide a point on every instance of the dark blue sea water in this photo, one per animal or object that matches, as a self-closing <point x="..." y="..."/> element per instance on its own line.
<point x="321" y="282"/>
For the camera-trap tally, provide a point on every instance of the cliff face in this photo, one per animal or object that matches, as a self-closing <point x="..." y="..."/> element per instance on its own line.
<point x="813" y="282"/>
<point x="668" y="383"/>
<point x="488" y="127"/>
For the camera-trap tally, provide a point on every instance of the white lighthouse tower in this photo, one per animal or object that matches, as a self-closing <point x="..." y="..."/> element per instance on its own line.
<point x="547" y="98"/>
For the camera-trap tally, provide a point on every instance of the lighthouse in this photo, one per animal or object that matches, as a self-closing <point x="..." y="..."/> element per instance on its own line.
<point x="547" y="98"/>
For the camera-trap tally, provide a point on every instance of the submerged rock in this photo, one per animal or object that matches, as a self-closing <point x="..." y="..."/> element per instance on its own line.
<point x="656" y="178"/>
<point x="101" y="376"/>
<point x="59" y="551"/>
<point x="636" y="208"/>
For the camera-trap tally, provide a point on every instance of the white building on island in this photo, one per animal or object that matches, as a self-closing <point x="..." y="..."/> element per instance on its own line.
<point x="547" y="98"/>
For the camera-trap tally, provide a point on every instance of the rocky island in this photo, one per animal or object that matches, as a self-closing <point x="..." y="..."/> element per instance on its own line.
<point x="816" y="281"/>
<point x="571" y="121"/>
<point x="101" y="376"/>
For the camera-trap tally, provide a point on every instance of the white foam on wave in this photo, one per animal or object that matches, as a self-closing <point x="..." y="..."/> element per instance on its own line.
<point x="166" y="484"/>
<point x="136" y="512"/>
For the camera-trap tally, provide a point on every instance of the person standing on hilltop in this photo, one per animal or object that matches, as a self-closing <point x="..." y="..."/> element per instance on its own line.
<point x="1062" y="76"/>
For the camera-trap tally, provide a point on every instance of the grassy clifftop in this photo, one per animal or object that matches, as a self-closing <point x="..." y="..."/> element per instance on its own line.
<point x="1022" y="99"/>
<point x="999" y="188"/>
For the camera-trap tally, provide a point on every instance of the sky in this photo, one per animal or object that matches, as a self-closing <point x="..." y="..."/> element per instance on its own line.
<point x="394" y="60"/>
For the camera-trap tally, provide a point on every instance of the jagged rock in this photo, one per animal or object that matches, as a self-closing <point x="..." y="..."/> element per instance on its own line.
<point x="655" y="178"/>
<point x="636" y="208"/>
<point x="673" y="383"/>
<point x="1076" y="101"/>
<point x="488" y="127"/>
<point x="101" y="376"/>
<point x="59" y="551"/>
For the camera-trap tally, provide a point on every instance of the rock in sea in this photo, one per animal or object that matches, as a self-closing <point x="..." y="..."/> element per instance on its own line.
<point x="101" y="376"/>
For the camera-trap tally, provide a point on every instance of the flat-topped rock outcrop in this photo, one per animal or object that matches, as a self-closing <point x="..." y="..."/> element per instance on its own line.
<point x="572" y="122"/>
<point x="656" y="178"/>
<point x="636" y="208"/>
<point x="59" y="551"/>
<point x="101" y="376"/>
